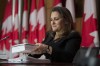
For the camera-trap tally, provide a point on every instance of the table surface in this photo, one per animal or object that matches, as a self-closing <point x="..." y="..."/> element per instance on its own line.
<point x="32" y="62"/>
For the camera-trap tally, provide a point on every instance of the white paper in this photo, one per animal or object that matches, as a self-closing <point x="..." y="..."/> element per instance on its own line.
<point x="22" y="47"/>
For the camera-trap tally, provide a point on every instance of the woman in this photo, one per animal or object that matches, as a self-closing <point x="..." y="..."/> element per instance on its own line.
<point x="61" y="42"/>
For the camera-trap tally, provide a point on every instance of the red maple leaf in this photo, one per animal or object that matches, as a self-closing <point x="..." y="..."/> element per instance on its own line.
<point x="88" y="27"/>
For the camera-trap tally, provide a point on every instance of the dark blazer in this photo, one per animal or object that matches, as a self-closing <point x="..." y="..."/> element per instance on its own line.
<point x="64" y="49"/>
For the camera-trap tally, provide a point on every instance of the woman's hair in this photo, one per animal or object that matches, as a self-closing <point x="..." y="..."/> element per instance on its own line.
<point x="67" y="20"/>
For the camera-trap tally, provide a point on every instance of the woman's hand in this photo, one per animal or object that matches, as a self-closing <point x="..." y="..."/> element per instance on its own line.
<point x="41" y="48"/>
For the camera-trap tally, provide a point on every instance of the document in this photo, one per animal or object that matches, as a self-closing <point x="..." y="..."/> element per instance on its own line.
<point x="28" y="59"/>
<point x="22" y="47"/>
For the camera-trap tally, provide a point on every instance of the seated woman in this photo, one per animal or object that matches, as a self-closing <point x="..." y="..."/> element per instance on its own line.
<point x="61" y="42"/>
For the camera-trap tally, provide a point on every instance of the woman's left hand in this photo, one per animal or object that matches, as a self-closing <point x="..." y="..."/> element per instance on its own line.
<point x="41" y="48"/>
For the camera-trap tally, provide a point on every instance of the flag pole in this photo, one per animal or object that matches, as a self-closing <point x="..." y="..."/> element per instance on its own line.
<point x="13" y="15"/>
<point x="20" y="18"/>
<point x="13" y="10"/>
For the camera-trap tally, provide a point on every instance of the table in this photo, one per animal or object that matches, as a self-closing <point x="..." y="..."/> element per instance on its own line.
<point x="33" y="62"/>
<point x="36" y="64"/>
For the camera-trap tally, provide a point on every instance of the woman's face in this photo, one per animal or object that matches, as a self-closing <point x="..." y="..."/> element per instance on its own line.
<point x="56" y="21"/>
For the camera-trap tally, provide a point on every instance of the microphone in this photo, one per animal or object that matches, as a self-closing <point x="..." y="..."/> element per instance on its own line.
<point x="4" y="38"/>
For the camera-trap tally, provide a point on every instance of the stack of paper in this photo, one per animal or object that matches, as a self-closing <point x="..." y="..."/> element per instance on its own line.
<point x="22" y="47"/>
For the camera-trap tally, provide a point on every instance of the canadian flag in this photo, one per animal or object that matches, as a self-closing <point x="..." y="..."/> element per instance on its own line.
<point x="41" y="20"/>
<point x="24" y="34"/>
<point x="70" y="7"/>
<point x="89" y="26"/>
<point x="32" y="38"/>
<point x="57" y="3"/>
<point x="5" y="43"/>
